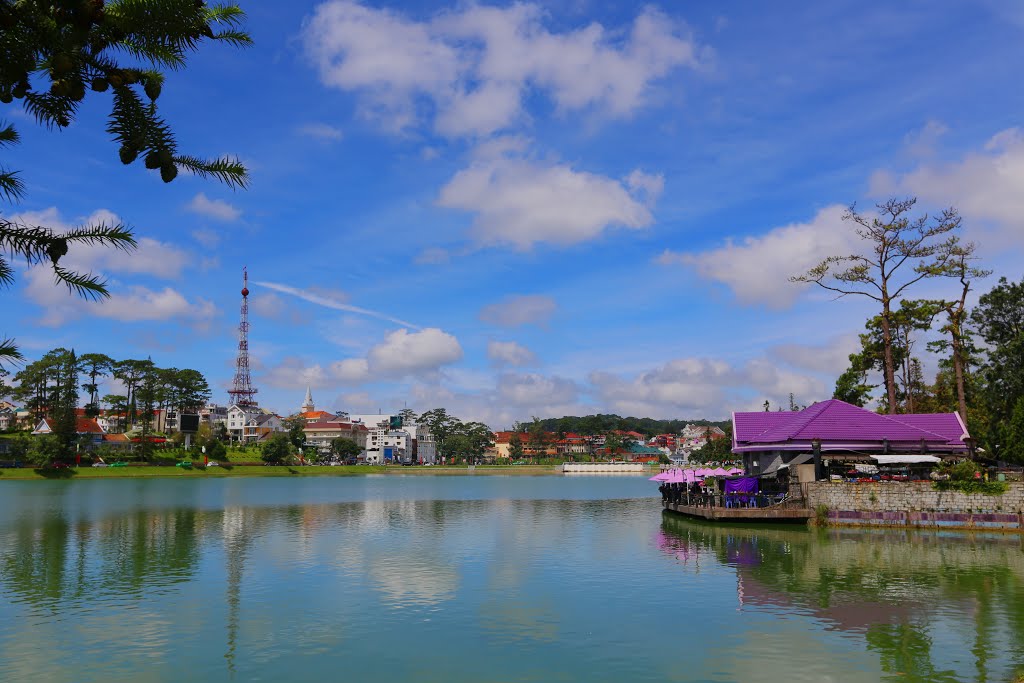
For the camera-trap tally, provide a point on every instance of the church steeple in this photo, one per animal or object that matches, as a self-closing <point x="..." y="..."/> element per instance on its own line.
<point x="307" y="405"/>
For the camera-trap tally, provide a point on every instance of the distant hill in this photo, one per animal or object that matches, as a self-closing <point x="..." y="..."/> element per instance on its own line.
<point x="599" y="424"/>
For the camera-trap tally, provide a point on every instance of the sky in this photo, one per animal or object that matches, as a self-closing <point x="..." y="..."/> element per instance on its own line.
<point x="532" y="209"/>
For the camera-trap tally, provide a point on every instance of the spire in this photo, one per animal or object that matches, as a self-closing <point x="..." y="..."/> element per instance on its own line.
<point x="307" y="405"/>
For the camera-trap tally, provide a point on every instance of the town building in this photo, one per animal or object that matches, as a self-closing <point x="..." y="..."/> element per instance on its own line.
<point x="321" y="433"/>
<point x="260" y="427"/>
<point x="238" y="417"/>
<point x="834" y="433"/>
<point x="8" y="416"/>
<point x="84" y="427"/>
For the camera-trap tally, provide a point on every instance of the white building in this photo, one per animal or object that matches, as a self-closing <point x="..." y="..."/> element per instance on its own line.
<point x="259" y="427"/>
<point x="238" y="417"/>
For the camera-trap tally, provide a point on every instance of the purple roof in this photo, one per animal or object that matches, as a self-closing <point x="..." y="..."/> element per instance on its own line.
<point x="836" y="422"/>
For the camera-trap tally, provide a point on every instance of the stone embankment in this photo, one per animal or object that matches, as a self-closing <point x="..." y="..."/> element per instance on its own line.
<point x="917" y="504"/>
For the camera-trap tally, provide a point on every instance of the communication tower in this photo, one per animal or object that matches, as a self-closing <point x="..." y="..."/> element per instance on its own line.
<point x="242" y="391"/>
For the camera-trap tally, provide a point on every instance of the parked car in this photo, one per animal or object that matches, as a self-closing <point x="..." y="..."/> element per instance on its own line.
<point x="213" y="463"/>
<point x="119" y="464"/>
<point x="100" y="464"/>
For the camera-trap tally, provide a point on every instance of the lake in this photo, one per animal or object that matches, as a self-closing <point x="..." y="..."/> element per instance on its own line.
<point x="479" y="578"/>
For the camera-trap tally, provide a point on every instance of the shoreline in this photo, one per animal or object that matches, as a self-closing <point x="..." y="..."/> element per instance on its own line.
<point x="158" y="471"/>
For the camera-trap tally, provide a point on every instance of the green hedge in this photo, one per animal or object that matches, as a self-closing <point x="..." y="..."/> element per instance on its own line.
<point x="989" y="488"/>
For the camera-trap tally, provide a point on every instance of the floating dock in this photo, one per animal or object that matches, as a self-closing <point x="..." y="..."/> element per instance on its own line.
<point x="785" y="513"/>
<point x="603" y="468"/>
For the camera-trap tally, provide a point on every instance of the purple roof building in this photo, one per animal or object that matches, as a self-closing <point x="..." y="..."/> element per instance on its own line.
<point x="770" y="442"/>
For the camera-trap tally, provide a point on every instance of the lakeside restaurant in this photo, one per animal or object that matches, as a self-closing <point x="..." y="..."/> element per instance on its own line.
<point x="833" y="439"/>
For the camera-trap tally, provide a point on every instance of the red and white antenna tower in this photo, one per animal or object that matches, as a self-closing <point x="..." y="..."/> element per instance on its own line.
<point x="242" y="390"/>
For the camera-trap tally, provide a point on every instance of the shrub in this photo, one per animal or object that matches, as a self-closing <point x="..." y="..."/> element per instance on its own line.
<point x="963" y="471"/>
<point x="989" y="488"/>
<point x="821" y="515"/>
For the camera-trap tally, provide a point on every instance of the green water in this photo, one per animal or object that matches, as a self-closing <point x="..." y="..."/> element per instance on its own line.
<point x="479" y="579"/>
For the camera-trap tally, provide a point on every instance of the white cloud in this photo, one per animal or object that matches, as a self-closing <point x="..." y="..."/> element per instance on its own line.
<point x="515" y="311"/>
<point x="510" y="353"/>
<point x="758" y="269"/>
<point x="432" y="256"/>
<point x="922" y="143"/>
<point x="709" y="387"/>
<point x="522" y="202"/>
<point x="405" y="353"/>
<point x="207" y="238"/>
<point x="293" y="373"/>
<point x="830" y="358"/>
<point x="986" y="186"/>
<point x="532" y="389"/>
<point x="321" y="131"/>
<point x="401" y="354"/>
<point x="127" y="304"/>
<point x="475" y="65"/>
<point x="351" y="371"/>
<point x="150" y="257"/>
<point x="217" y="209"/>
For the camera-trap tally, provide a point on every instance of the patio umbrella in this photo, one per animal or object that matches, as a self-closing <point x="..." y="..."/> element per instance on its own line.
<point x="661" y="476"/>
<point x="720" y="472"/>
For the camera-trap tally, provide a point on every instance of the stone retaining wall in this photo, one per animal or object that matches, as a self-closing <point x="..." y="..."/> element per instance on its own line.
<point x="902" y="504"/>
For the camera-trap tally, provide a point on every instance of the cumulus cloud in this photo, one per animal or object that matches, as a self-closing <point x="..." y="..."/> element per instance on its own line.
<point x="757" y="269"/>
<point x="986" y="186"/>
<point x="151" y="257"/>
<point x="515" y="311"/>
<point x="321" y="131"/>
<point x="127" y="304"/>
<point x="712" y="387"/>
<point x="530" y="389"/>
<point x="403" y="352"/>
<point x="218" y="209"/>
<point x="510" y="353"/>
<point x="831" y="357"/>
<point x="473" y="66"/>
<point x="521" y="202"/>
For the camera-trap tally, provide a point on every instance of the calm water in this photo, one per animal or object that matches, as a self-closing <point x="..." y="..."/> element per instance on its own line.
<point x="478" y="579"/>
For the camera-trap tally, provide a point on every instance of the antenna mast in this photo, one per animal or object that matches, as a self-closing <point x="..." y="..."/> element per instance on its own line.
<point x="242" y="390"/>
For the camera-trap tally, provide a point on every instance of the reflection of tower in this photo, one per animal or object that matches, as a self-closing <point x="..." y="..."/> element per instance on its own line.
<point x="242" y="390"/>
<point x="235" y="547"/>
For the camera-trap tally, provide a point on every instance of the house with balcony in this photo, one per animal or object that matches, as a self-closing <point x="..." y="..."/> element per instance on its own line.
<point x="260" y="427"/>
<point x="323" y="432"/>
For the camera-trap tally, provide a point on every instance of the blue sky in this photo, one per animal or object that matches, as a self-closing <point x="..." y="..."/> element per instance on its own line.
<point x="533" y="209"/>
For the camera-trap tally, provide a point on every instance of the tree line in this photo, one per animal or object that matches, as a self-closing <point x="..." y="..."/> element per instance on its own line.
<point x="979" y="349"/>
<point x="52" y="388"/>
<point x="593" y="425"/>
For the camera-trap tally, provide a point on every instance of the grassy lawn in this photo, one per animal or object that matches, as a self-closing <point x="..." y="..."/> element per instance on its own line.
<point x="258" y="471"/>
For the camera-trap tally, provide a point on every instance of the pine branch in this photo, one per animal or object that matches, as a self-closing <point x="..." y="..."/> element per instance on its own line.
<point x="9" y="352"/>
<point x="85" y="285"/>
<point x="8" y="135"/>
<point x="228" y="170"/>
<point x="50" y="110"/>
<point x="6" y="273"/>
<point x="11" y="186"/>
<point x="234" y="38"/>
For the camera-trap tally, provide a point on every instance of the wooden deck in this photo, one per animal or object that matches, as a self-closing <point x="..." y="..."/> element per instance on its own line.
<point x="780" y="513"/>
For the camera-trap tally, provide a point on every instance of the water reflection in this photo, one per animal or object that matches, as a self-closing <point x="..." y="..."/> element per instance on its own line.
<point x="475" y="580"/>
<point x="932" y="606"/>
